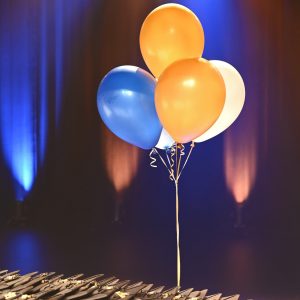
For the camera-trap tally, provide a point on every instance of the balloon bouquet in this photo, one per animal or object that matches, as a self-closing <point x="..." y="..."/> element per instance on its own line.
<point x="190" y="100"/>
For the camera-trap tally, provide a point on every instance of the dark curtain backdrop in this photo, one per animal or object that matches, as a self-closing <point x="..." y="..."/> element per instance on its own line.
<point x="53" y="55"/>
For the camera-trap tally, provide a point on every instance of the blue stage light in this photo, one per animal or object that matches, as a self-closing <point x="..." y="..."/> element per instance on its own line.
<point x="17" y="107"/>
<point x="23" y="96"/>
<point x="32" y="53"/>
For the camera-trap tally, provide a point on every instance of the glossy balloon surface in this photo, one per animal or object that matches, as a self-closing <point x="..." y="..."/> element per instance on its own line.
<point x="189" y="98"/>
<point x="234" y="101"/>
<point x="125" y="102"/>
<point x="169" y="33"/>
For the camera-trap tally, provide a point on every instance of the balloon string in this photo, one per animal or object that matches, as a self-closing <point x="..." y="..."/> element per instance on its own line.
<point x="163" y="161"/>
<point x="192" y="146"/>
<point x="177" y="234"/>
<point x="177" y="151"/>
<point x="152" y="158"/>
<point x="176" y="158"/>
<point x="168" y="159"/>
<point x="178" y="162"/>
<point x="173" y="152"/>
<point x="181" y="148"/>
<point x="171" y="176"/>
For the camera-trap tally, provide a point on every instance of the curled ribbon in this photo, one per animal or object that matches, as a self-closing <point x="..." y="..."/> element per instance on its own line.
<point x="182" y="148"/>
<point x="152" y="158"/>
<point x="172" y="161"/>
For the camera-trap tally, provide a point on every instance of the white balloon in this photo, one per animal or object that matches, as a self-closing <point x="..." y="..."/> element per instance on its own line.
<point x="165" y="140"/>
<point x="234" y="101"/>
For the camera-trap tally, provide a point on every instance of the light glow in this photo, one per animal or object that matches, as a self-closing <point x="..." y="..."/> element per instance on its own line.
<point x="122" y="161"/>
<point x="240" y="164"/>
<point x="30" y="49"/>
<point x="17" y="93"/>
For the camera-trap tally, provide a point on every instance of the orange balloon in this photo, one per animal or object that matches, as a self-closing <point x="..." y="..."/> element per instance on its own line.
<point x="189" y="97"/>
<point x="169" y="33"/>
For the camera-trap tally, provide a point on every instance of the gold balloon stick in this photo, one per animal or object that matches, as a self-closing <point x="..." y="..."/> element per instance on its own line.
<point x="174" y="169"/>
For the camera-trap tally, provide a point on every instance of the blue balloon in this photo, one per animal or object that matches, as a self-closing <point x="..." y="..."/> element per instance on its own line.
<point x="125" y="102"/>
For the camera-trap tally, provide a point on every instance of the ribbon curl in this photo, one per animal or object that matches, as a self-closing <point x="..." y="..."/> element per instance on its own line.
<point x="182" y="148"/>
<point x="173" y="152"/>
<point x="152" y="158"/>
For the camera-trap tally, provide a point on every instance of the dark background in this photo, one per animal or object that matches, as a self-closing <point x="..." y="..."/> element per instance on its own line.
<point x="53" y="55"/>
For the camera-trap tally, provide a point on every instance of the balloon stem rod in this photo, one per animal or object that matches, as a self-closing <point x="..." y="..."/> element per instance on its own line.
<point x="173" y="164"/>
<point x="179" y="147"/>
<point x="177" y="234"/>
